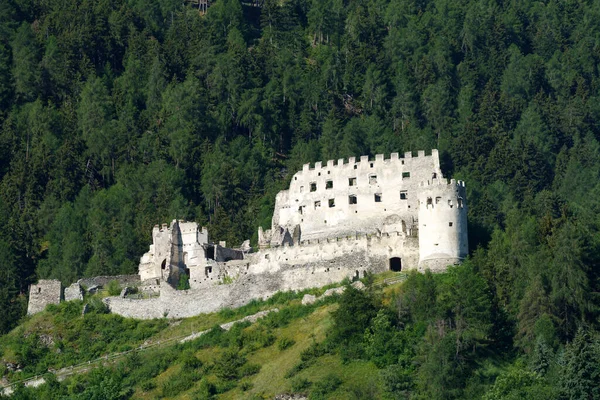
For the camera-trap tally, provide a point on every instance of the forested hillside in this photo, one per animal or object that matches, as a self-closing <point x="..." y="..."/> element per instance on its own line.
<point x="120" y="114"/>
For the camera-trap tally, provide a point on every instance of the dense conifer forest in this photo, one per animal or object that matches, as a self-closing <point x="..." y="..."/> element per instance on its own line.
<point x="116" y="115"/>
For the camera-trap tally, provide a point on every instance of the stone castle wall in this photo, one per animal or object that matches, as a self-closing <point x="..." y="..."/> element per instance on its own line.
<point x="124" y="280"/>
<point x="46" y="291"/>
<point x="336" y="221"/>
<point x="263" y="281"/>
<point x="442" y="223"/>
<point x="352" y="196"/>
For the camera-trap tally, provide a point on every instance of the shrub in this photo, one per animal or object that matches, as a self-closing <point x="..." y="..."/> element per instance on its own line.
<point x="246" y="385"/>
<point x="179" y="383"/>
<point x="148" y="386"/>
<point x="227" y="366"/>
<point x="285" y="343"/>
<point x="184" y="282"/>
<point x="113" y="287"/>
<point x="206" y="391"/>
<point x="328" y="385"/>
<point x="249" y="369"/>
<point x="96" y="306"/>
<point x="300" y="385"/>
<point x="189" y="360"/>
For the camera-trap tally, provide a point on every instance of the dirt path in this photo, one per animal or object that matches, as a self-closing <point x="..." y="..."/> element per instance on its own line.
<point x="63" y="373"/>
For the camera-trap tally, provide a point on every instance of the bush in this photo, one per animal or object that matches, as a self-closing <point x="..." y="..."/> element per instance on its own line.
<point x="300" y="385"/>
<point x="246" y="385"/>
<point x="249" y="369"/>
<point x="184" y="282"/>
<point x="113" y="287"/>
<point x="189" y="360"/>
<point x="206" y="391"/>
<point x="228" y="365"/>
<point x="285" y="343"/>
<point x="328" y="385"/>
<point x="179" y="383"/>
<point x="148" y="386"/>
<point x="97" y="306"/>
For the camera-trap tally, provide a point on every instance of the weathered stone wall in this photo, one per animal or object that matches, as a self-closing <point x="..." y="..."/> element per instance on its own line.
<point x="124" y="280"/>
<point x="74" y="292"/>
<point x="43" y="293"/>
<point x="287" y="268"/>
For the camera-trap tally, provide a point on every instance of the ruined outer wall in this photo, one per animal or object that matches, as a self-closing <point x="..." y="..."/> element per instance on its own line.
<point x="442" y="224"/>
<point x="387" y="178"/>
<point x="43" y="293"/>
<point x="124" y="280"/>
<point x="286" y="268"/>
<point x="150" y="264"/>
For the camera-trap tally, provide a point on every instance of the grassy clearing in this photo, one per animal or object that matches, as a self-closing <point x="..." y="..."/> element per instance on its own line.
<point x="250" y="361"/>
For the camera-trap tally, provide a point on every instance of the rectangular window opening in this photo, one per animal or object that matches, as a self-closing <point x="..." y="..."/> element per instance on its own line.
<point x="438" y="200"/>
<point x="460" y="202"/>
<point x="317" y="204"/>
<point x="313" y="186"/>
<point x="329" y="185"/>
<point x="372" y="179"/>
<point x="351" y="181"/>
<point x="450" y="224"/>
<point x="403" y="195"/>
<point x="377" y="197"/>
<point x="300" y="210"/>
<point x="352" y="199"/>
<point x="405" y="175"/>
<point x="331" y="203"/>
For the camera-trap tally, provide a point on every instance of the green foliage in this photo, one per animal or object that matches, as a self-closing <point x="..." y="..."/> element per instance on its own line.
<point x="184" y="282"/>
<point x="115" y="117"/>
<point x="179" y="383"/>
<point x="228" y="365"/>
<point x="350" y="320"/>
<point x="285" y="343"/>
<point x="300" y="385"/>
<point x="581" y="374"/>
<point x="520" y="384"/>
<point x="114" y="288"/>
<point x="327" y="385"/>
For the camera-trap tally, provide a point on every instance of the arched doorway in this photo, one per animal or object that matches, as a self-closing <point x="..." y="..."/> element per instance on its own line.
<point x="164" y="264"/>
<point x="395" y="264"/>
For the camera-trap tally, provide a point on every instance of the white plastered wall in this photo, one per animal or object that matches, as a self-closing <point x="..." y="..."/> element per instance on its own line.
<point x="386" y="178"/>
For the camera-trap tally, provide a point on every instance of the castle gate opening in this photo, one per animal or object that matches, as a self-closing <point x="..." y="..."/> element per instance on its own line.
<point x="395" y="264"/>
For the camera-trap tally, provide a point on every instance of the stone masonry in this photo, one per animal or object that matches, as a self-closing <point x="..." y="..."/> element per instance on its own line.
<point x="337" y="220"/>
<point x="43" y="293"/>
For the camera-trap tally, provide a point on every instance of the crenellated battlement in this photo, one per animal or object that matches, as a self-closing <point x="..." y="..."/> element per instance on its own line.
<point x="366" y="161"/>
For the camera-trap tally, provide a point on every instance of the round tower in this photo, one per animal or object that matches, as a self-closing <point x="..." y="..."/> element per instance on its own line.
<point x="443" y="237"/>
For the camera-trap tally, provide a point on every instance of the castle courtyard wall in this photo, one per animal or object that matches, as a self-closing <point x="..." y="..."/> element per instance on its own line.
<point x="281" y="269"/>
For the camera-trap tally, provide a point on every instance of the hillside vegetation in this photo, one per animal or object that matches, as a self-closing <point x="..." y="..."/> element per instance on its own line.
<point x="116" y="115"/>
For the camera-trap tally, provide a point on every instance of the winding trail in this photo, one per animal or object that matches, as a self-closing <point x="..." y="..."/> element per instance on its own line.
<point x="63" y="373"/>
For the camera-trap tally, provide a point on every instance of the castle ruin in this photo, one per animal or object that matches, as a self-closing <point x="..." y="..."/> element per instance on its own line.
<point x="337" y="220"/>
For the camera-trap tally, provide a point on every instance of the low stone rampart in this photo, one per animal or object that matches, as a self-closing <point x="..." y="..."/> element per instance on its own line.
<point x="124" y="280"/>
<point x="244" y="288"/>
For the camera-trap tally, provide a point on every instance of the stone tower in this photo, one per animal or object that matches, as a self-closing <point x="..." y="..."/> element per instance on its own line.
<point x="442" y="223"/>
